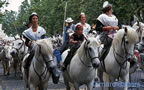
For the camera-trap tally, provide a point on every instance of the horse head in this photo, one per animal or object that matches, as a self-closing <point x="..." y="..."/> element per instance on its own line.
<point x="124" y="41"/>
<point x="139" y="27"/>
<point x="44" y="51"/>
<point x="7" y="54"/>
<point x="18" y="48"/>
<point x="92" y="48"/>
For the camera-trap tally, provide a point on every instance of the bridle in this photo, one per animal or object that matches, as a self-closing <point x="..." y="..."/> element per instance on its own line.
<point x="87" y="53"/>
<point x="123" y="43"/>
<point x="23" y="44"/>
<point x="46" y="62"/>
<point x="17" y="49"/>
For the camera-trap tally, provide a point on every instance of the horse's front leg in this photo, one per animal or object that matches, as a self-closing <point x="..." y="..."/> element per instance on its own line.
<point x="76" y="86"/>
<point x="125" y="78"/>
<point x="89" y="86"/>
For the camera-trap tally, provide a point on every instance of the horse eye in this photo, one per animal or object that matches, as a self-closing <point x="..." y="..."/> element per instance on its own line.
<point x="89" y="48"/>
<point x="19" y="43"/>
<point x="126" y="42"/>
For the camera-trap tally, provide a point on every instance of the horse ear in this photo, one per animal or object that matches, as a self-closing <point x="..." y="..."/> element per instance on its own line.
<point x="138" y="23"/>
<point x="86" y="38"/>
<point x="126" y="30"/>
<point x="14" y="37"/>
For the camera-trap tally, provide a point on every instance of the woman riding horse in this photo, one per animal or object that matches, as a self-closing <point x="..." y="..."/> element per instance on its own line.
<point x="33" y="33"/>
<point x="107" y="24"/>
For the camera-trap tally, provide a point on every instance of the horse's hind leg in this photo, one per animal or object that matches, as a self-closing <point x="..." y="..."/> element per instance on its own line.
<point x="67" y="85"/>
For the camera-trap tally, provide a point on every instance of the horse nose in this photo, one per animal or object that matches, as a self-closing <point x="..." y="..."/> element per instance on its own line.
<point x="95" y="65"/>
<point x="131" y="58"/>
<point x="12" y="53"/>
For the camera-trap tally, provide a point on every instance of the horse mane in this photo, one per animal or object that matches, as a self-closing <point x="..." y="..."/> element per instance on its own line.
<point x="46" y="46"/>
<point x="131" y="36"/>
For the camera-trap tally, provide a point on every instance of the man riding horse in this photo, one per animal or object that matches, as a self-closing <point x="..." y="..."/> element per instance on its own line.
<point x="36" y="32"/>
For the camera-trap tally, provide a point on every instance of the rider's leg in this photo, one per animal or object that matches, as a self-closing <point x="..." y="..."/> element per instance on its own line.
<point x="68" y="58"/>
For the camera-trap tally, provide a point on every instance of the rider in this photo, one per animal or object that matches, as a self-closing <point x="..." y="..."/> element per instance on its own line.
<point x="33" y="33"/>
<point x="69" y="26"/>
<point x="86" y="26"/>
<point x="75" y="40"/>
<point x="107" y="24"/>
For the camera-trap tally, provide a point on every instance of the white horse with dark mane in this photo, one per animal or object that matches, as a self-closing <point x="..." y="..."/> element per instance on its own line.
<point x="81" y="70"/>
<point x="39" y="73"/>
<point x="121" y="52"/>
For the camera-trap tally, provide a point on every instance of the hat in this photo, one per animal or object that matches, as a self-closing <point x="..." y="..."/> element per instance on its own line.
<point x="82" y="13"/>
<point x="34" y="13"/>
<point x="105" y="4"/>
<point x="68" y="20"/>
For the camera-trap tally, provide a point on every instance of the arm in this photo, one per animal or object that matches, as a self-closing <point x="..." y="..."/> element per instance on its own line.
<point x="27" y="41"/>
<point x="72" y="40"/>
<point x="100" y="27"/>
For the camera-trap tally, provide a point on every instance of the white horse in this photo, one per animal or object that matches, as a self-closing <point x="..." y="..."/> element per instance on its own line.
<point x="38" y="72"/>
<point x="18" y="51"/>
<point x="6" y="58"/>
<point x="121" y="51"/>
<point x="139" y="27"/>
<point x="83" y="64"/>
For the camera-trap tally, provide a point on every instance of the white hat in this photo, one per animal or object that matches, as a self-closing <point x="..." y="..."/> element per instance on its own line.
<point x="105" y="4"/>
<point x="68" y="20"/>
<point x="34" y="13"/>
<point x="82" y="13"/>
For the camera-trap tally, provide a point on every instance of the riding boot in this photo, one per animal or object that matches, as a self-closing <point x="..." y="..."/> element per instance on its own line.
<point x="55" y="74"/>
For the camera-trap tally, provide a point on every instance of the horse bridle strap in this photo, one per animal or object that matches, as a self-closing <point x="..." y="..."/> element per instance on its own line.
<point x="90" y="58"/>
<point x="46" y="62"/>
<point x="84" y="63"/>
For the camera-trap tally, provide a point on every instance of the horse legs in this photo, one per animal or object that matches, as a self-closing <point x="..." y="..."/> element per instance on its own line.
<point x="89" y="87"/>
<point x="67" y="84"/>
<point x="126" y="80"/>
<point x="4" y="68"/>
<point x="7" y="67"/>
<point x="100" y="76"/>
<point x="106" y="80"/>
<point x="76" y="86"/>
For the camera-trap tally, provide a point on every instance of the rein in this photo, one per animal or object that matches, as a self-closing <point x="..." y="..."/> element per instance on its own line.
<point x="46" y="68"/>
<point x="88" y="55"/>
<point x="18" y="58"/>
<point x="116" y="54"/>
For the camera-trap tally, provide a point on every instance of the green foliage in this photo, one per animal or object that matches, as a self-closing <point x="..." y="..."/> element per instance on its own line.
<point x="51" y="12"/>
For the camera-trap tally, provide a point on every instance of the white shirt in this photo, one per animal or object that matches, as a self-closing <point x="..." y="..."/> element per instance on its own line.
<point x="34" y="35"/>
<point x="108" y="21"/>
<point x="86" y="28"/>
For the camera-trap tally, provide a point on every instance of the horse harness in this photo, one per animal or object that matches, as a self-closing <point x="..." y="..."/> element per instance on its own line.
<point x="125" y="57"/>
<point x="19" y="60"/>
<point x="88" y="54"/>
<point x="45" y="70"/>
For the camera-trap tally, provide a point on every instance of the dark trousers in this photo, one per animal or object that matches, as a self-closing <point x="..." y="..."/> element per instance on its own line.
<point x="69" y="56"/>
<point x="28" y="60"/>
<point x="106" y="48"/>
